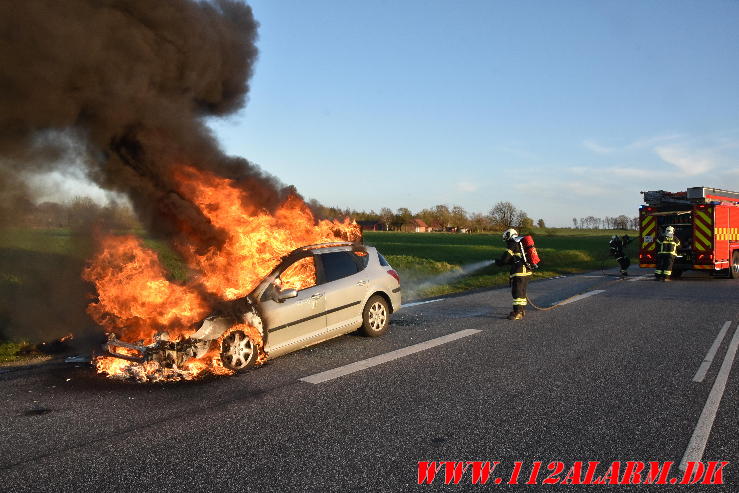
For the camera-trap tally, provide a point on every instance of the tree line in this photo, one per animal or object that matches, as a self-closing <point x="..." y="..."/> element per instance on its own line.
<point x="502" y="215"/>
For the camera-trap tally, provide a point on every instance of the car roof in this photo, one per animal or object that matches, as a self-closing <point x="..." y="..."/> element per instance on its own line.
<point x="330" y="247"/>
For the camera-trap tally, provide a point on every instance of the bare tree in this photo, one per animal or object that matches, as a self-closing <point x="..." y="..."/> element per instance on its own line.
<point x="621" y="222"/>
<point x="503" y="215"/>
<point x="386" y="217"/>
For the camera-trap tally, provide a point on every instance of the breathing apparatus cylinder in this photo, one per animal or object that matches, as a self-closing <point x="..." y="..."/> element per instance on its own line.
<point x="532" y="256"/>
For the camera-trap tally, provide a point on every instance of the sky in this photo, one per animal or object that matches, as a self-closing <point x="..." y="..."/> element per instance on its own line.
<point x="566" y="108"/>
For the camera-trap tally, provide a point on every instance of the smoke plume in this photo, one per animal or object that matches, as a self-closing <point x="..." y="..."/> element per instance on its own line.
<point x="131" y="81"/>
<point x="125" y="86"/>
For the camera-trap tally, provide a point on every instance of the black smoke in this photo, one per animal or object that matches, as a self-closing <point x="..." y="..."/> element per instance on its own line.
<point x="130" y="84"/>
<point x="132" y="81"/>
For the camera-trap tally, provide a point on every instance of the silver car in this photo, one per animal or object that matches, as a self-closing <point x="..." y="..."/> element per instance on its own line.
<point x="342" y="287"/>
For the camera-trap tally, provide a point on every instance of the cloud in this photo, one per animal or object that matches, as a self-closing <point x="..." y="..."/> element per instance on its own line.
<point x="689" y="162"/>
<point x="631" y="172"/>
<point x="597" y="148"/>
<point x="466" y="186"/>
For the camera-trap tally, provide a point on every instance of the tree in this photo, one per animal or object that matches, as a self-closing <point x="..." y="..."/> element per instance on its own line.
<point x="458" y="217"/>
<point x="540" y="224"/>
<point x="574" y="222"/>
<point x="479" y="222"/>
<point x="404" y="214"/>
<point x="441" y="215"/>
<point x="523" y="221"/>
<point x="503" y="215"/>
<point x="621" y="222"/>
<point x="386" y="217"/>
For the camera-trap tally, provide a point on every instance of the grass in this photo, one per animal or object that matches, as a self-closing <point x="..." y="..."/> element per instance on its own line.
<point x="40" y="270"/>
<point x="8" y="351"/>
<point x="421" y="259"/>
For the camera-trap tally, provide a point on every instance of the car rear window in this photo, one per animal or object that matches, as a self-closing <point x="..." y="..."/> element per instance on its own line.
<point x="362" y="258"/>
<point x="337" y="265"/>
<point x="383" y="262"/>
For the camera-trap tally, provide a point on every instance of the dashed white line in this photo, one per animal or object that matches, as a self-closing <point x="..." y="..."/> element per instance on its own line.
<point x="579" y="297"/>
<point x="706" y="364"/>
<point x="384" y="358"/>
<point x="697" y="444"/>
<point x="421" y="303"/>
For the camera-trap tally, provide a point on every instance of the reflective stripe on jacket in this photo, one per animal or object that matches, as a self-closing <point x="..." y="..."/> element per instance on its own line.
<point x="667" y="246"/>
<point x="513" y="257"/>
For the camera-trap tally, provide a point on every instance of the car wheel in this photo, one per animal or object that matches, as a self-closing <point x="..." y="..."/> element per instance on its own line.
<point x="735" y="265"/>
<point x="238" y="352"/>
<point x="375" y="317"/>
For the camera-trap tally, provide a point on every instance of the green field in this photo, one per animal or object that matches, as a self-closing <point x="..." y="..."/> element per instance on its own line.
<point x="42" y="295"/>
<point x="419" y="258"/>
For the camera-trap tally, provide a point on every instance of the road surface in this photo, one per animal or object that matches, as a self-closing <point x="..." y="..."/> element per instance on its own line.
<point x="632" y="370"/>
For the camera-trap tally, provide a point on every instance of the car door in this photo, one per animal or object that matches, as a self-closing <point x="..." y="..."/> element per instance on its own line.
<point x="345" y="288"/>
<point x="292" y="320"/>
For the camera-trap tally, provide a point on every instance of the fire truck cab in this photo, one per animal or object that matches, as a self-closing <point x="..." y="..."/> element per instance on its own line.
<point x="706" y="221"/>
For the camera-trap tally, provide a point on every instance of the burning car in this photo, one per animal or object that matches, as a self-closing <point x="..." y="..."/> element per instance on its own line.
<point x="317" y="292"/>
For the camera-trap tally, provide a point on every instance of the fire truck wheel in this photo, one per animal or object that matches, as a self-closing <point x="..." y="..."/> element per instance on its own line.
<point x="375" y="317"/>
<point x="676" y="274"/>
<point x="735" y="265"/>
<point x="238" y="352"/>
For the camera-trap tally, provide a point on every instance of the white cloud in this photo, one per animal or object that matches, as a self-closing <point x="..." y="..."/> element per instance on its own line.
<point x="597" y="148"/>
<point x="633" y="172"/>
<point x="466" y="186"/>
<point x="690" y="162"/>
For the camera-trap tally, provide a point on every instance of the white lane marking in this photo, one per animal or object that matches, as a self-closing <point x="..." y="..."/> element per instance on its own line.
<point x="703" y="369"/>
<point x="384" y="358"/>
<point x="638" y="278"/>
<point x="699" y="440"/>
<point x="421" y="303"/>
<point x="579" y="297"/>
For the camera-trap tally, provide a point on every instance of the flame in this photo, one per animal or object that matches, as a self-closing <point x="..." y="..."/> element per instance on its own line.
<point x="138" y="304"/>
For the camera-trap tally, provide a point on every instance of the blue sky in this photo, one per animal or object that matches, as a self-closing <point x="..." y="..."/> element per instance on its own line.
<point x="566" y="108"/>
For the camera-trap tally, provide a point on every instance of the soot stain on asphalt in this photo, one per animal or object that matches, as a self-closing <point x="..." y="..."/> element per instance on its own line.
<point x="37" y="411"/>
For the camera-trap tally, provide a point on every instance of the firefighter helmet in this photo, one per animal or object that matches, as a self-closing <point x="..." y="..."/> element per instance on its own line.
<point x="669" y="231"/>
<point x="509" y="234"/>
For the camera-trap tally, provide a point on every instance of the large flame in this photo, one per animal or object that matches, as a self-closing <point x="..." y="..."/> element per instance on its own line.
<point x="138" y="304"/>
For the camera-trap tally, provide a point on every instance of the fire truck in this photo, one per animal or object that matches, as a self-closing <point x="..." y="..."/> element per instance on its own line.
<point x="706" y="221"/>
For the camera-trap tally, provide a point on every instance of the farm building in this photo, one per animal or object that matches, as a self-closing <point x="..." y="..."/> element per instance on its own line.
<point x="415" y="226"/>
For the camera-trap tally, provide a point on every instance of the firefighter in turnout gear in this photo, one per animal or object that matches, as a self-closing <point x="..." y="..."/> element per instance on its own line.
<point x="520" y="272"/>
<point x="616" y="246"/>
<point x="667" y="245"/>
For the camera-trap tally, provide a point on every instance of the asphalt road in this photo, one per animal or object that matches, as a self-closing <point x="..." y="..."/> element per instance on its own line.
<point x="607" y="377"/>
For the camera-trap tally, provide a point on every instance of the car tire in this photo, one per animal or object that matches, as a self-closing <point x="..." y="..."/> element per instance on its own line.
<point x="238" y="351"/>
<point x="375" y="317"/>
<point x="734" y="269"/>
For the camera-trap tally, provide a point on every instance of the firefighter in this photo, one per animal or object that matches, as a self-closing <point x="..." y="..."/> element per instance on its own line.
<point x="667" y="245"/>
<point x="616" y="246"/>
<point x="520" y="272"/>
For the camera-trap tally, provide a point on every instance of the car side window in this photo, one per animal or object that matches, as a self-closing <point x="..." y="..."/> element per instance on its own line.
<point x="301" y="274"/>
<point x="337" y="265"/>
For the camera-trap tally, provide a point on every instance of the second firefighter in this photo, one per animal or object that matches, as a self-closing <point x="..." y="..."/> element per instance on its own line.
<point x="667" y="245"/>
<point x="616" y="246"/>
<point x="519" y="273"/>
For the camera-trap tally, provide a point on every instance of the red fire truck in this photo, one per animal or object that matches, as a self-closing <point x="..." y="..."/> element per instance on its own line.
<point x="706" y="221"/>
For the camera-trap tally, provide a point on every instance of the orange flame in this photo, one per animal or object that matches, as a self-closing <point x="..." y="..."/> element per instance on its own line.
<point x="138" y="303"/>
